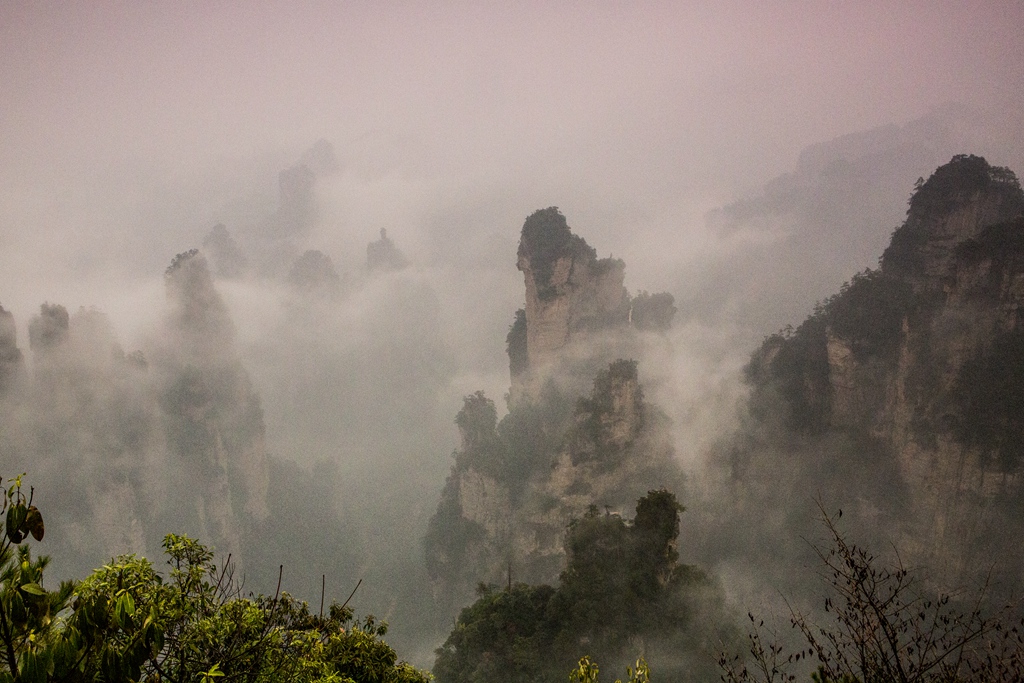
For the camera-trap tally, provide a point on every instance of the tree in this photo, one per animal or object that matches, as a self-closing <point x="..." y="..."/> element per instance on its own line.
<point x="623" y="595"/>
<point x="883" y="625"/>
<point x="126" y="622"/>
<point x="586" y="672"/>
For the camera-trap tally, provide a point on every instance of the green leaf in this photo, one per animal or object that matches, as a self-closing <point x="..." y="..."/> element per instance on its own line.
<point x="34" y="523"/>
<point x="15" y="518"/>
<point x="33" y="588"/>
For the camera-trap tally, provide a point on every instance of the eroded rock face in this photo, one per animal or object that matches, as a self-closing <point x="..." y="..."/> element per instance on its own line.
<point x="956" y="204"/>
<point x="578" y="433"/>
<point x="926" y="356"/>
<point x="123" y="447"/>
<point x="571" y="295"/>
<point x="12" y="364"/>
<point x="214" y="422"/>
<point x="499" y="514"/>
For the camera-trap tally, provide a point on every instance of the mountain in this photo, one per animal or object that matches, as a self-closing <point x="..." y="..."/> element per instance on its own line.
<point x="902" y="396"/>
<point x="124" y="447"/>
<point x="579" y="431"/>
<point x="796" y="239"/>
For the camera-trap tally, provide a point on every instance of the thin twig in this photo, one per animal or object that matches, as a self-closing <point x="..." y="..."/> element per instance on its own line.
<point x="352" y="593"/>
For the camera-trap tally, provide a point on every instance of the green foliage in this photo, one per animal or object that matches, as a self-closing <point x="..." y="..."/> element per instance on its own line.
<point x="867" y="315"/>
<point x="793" y="365"/>
<point x="623" y="592"/>
<point x="501" y="637"/>
<point x="530" y="434"/>
<point x="586" y="672"/>
<point x="592" y="438"/>
<point x="963" y="176"/>
<point x="38" y="640"/>
<point x="477" y="421"/>
<point x="178" y="261"/>
<point x="515" y="342"/>
<point x="1000" y="243"/>
<point x="450" y="537"/>
<point x="521" y="446"/>
<point x="125" y="622"/>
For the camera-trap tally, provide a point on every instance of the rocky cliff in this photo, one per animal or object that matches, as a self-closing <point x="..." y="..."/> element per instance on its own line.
<point x="570" y="294"/>
<point x="125" y="447"/>
<point x="214" y="422"/>
<point x="924" y="358"/>
<point x="577" y="308"/>
<point x="12" y="366"/>
<point x="578" y="432"/>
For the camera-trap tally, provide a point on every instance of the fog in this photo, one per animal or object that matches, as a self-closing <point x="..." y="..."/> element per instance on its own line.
<point x="747" y="159"/>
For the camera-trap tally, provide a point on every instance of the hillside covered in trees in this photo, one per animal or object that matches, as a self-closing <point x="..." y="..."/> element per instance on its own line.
<point x="900" y="394"/>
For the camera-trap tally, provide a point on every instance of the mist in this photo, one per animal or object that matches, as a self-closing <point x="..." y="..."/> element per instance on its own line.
<point x="747" y="160"/>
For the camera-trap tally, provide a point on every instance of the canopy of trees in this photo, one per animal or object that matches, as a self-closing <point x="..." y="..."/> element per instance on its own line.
<point x="127" y="622"/>
<point x="623" y="594"/>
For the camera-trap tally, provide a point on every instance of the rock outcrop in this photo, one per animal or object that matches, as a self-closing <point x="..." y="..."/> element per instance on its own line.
<point x="297" y="211"/>
<point x="228" y="260"/>
<point x="313" y="273"/>
<point x="12" y="364"/>
<point x="125" y="447"/>
<point x="925" y="357"/>
<point x="578" y="432"/>
<point x="384" y="255"/>
<point x="570" y="296"/>
<point x="214" y="422"/>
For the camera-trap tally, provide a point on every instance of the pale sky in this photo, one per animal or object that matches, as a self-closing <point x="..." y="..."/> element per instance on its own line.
<point x="129" y="128"/>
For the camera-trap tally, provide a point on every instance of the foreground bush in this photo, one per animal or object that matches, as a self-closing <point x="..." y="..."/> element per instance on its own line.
<point x="882" y="625"/>
<point x="126" y="622"/>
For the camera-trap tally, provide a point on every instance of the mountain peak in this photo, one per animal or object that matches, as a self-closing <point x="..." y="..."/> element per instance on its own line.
<point x="957" y="202"/>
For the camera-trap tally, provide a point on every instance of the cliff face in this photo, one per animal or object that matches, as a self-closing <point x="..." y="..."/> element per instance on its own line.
<point x="212" y="414"/>
<point x="124" y="447"/>
<point x="12" y="366"/>
<point x="578" y="431"/>
<point x="924" y="356"/>
<point x="570" y="295"/>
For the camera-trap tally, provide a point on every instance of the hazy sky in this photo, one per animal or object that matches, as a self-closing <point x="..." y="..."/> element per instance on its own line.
<point x="130" y="128"/>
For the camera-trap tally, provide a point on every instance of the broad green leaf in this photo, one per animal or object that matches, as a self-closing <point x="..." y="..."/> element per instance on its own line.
<point x="34" y="523"/>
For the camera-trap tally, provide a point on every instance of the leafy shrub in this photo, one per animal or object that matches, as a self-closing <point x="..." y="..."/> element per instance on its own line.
<point x="622" y="590"/>
<point x="126" y="622"/>
<point x="883" y="624"/>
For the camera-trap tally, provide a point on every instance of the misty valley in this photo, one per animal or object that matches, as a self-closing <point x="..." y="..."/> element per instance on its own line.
<point x="223" y="504"/>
